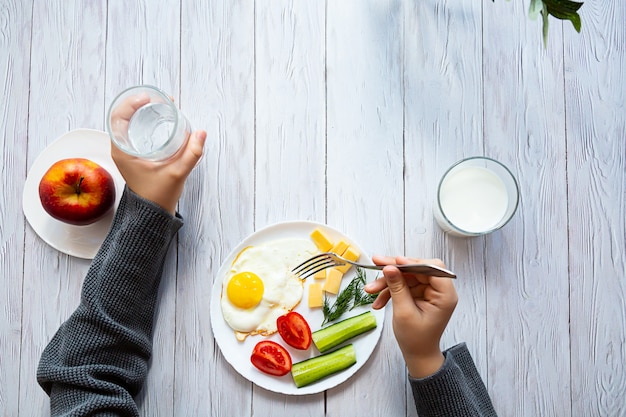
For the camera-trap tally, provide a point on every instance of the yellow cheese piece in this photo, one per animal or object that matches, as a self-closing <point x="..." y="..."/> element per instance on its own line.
<point x="321" y="240"/>
<point x="315" y="295"/>
<point x="320" y="274"/>
<point x="340" y="247"/>
<point x="333" y="281"/>
<point x="350" y="254"/>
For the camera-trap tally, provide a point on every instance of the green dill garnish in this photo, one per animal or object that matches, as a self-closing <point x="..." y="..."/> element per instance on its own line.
<point x="349" y="298"/>
<point x="361" y="298"/>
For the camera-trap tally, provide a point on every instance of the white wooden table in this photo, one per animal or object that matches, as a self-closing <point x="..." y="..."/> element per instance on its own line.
<point x="346" y="113"/>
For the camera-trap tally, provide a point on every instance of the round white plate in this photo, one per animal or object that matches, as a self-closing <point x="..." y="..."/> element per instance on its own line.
<point x="238" y="353"/>
<point x="79" y="241"/>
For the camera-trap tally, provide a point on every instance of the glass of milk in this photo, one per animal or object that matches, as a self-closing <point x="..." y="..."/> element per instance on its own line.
<point x="476" y="196"/>
<point x="144" y="122"/>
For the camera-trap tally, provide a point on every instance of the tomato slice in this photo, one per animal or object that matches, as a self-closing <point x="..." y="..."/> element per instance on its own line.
<point x="294" y="330"/>
<point x="271" y="358"/>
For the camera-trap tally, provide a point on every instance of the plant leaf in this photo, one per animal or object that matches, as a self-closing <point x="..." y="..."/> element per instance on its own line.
<point x="565" y="10"/>
<point x="536" y="6"/>
<point x="560" y="9"/>
<point x="546" y="23"/>
<point x="353" y="295"/>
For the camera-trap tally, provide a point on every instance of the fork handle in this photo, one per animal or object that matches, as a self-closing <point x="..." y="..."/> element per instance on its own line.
<point x="418" y="269"/>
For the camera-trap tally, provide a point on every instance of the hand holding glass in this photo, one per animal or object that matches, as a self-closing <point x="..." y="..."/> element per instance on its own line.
<point x="144" y="122"/>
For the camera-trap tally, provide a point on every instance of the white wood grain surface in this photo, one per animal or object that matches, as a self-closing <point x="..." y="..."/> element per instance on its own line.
<point x="347" y="113"/>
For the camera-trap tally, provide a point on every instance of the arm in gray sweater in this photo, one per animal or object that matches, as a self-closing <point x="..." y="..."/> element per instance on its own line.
<point x="455" y="390"/>
<point x="98" y="359"/>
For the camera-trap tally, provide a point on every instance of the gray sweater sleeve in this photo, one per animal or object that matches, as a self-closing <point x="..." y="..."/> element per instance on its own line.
<point x="455" y="390"/>
<point x="98" y="359"/>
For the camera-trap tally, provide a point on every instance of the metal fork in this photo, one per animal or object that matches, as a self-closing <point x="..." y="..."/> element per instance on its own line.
<point x="329" y="259"/>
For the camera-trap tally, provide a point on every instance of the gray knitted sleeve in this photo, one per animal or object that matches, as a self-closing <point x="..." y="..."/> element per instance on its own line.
<point x="455" y="390"/>
<point x="98" y="359"/>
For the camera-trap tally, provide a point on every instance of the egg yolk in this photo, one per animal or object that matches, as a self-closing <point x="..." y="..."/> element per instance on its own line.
<point x="245" y="290"/>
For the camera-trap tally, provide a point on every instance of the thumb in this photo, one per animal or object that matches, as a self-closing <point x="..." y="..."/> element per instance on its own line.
<point x="193" y="151"/>
<point x="398" y="288"/>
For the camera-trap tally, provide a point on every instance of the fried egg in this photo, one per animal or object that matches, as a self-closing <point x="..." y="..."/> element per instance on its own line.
<point x="260" y="287"/>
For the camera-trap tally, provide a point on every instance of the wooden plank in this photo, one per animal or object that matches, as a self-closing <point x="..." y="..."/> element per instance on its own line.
<point x="365" y="170"/>
<point x="526" y="262"/>
<point x="143" y="47"/>
<point x="290" y="111"/>
<point x="595" y="68"/>
<point x="290" y="138"/>
<point x="66" y="92"/>
<point x="444" y="123"/>
<point x="217" y="94"/>
<point x="15" y="26"/>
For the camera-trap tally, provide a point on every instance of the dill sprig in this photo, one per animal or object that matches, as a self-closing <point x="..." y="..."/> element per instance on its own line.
<point x="352" y="296"/>
<point x="361" y="298"/>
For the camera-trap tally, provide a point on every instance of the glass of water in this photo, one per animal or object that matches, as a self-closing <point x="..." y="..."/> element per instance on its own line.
<point x="144" y="122"/>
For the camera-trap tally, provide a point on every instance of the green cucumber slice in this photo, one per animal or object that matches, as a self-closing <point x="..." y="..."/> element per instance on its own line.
<point x="331" y="336"/>
<point x="318" y="367"/>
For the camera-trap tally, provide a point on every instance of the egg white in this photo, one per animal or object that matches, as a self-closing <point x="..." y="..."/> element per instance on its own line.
<point x="272" y="262"/>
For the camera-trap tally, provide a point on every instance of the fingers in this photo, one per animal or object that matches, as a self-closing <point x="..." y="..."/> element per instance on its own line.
<point x="399" y="291"/>
<point x="126" y="109"/>
<point x="198" y="143"/>
<point x="416" y="288"/>
<point x="403" y="260"/>
<point x="383" y="260"/>
<point x="382" y="299"/>
<point x="193" y="151"/>
<point x="376" y="286"/>
<point x="442" y="290"/>
<point x="380" y="284"/>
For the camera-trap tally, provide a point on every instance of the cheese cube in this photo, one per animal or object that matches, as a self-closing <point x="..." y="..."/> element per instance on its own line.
<point x="339" y="248"/>
<point x="316" y="298"/>
<point x="333" y="281"/>
<point x="350" y="254"/>
<point x="320" y="274"/>
<point x="321" y="240"/>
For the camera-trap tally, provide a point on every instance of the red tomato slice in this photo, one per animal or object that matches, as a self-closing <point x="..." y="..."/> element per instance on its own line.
<point x="294" y="330"/>
<point x="271" y="358"/>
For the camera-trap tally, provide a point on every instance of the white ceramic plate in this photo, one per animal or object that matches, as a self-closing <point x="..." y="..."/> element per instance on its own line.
<point x="238" y="353"/>
<point x="79" y="241"/>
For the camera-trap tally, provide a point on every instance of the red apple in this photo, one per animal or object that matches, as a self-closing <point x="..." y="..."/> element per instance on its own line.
<point x="77" y="191"/>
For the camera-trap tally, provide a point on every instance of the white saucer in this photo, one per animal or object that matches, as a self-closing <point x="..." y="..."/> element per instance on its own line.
<point x="79" y="241"/>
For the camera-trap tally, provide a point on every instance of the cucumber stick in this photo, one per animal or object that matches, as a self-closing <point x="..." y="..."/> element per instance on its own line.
<point x="318" y="367"/>
<point x="331" y="336"/>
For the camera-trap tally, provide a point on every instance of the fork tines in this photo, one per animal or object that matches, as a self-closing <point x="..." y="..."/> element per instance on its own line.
<point x="315" y="264"/>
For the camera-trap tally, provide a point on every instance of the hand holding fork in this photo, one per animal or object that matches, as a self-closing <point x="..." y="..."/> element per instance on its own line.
<point x="422" y="307"/>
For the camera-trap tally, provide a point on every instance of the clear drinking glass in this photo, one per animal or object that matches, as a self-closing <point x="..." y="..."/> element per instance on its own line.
<point x="144" y="122"/>
<point x="476" y="196"/>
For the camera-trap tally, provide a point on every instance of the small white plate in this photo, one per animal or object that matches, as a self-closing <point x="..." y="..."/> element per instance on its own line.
<point x="238" y="353"/>
<point x="79" y="241"/>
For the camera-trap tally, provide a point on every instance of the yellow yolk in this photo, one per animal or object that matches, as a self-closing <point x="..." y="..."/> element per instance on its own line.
<point x="245" y="290"/>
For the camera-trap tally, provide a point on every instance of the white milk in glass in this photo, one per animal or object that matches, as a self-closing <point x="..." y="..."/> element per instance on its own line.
<point x="474" y="199"/>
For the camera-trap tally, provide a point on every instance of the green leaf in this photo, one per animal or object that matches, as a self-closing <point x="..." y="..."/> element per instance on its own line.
<point x="565" y="10"/>
<point x="536" y="6"/>
<point x="361" y="298"/>
<point x="546" y="23"/>
<point x="352" y="296"/>
<point x="560" y="9"/>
